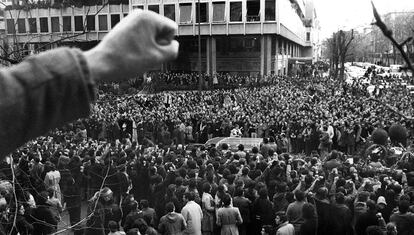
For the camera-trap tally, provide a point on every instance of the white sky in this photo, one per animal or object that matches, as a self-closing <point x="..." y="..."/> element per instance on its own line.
<point x="347" y="14"/>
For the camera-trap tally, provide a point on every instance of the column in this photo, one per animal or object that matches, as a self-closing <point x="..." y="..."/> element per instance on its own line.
<point x="296" y="50"/>
<point x="283" y="45"/>
<point x="208" y="56"/>
<point x="276" y="55"/>
<point x="268" y="52"/>
<point x="262" y="55"/>
<point x="211" y="56"/>
<point x="265" y="55"/>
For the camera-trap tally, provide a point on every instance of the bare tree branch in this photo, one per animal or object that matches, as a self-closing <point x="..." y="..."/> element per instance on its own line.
<point x="388" y="33"/>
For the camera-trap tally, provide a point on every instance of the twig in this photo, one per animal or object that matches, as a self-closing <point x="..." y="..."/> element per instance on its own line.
<point x="388" y="33"/>
<point x="14" y="195"/>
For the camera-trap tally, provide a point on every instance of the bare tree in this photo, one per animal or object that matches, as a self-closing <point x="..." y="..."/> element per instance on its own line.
<point x="344" y="41"/>
<point x="13" y="51"/>
<point x="388" y="33"/>
<point x="337" y="48"/>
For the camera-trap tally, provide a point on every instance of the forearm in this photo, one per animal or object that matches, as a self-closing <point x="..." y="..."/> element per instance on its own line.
<point x="42" y="93"/>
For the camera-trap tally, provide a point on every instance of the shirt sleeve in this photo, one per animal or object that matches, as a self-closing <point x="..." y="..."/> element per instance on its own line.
<point x="41" y="93"/>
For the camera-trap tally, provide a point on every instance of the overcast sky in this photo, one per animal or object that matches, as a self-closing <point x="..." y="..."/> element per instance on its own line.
<point x="348" y="14"/>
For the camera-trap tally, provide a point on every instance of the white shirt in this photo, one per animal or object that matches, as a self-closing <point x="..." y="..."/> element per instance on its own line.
<point x="192" y="214"/>
<point x="330" y="132"/>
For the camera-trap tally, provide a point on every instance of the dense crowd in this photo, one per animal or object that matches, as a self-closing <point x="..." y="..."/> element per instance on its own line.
<point x="332" y="161"/>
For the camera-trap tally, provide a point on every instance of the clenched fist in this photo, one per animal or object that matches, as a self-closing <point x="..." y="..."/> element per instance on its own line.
<point x="139" y="42"/>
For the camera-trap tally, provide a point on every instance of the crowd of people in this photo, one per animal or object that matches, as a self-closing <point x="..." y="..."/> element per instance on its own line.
<point x="334" y="160"/>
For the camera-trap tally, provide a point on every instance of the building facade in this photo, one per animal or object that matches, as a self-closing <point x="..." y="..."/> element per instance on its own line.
<point x="255" y="37"/>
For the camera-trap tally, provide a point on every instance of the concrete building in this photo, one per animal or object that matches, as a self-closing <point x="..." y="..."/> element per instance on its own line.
<point x="255" y="37"/>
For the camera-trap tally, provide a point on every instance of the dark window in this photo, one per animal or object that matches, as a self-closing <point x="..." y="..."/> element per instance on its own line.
<point x="270" y="6"/>
<point x="10" y="26"/>
<point x="103" y="22"/>
<point x="251" y="44"/>
<point x="78" y="23"/>
<point x="125" y="15"/>
<point x="138" y="7"/>
<point x="203" y="18"/>
<point x="235" y="11"/>
<point x="55" y="24"/>
<point x="169" y="11"/>
<point x="32" y="25"/>
<point x="44" y="25"/>
<point x="236" y="45"/>
<point x="67" y="23"/>
<point x="154" y="8"/>
<point x="253" y="10"/>
<point x="21" y="25"/>
<point x="115" y="20"/>
<point x="185" y="13"/>
<point x="90" y="23"/>
<point x="218" y="11"/>
<point x="307" y="36"/>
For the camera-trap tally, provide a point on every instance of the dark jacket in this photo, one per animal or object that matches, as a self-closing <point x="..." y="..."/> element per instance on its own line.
<point x="404" y="222"/>
<point x="244" y="206"/>
<point x="23" y="227"/>
<point x="364" y="221"/>
<point x="131" y="218"/>
<point x="44" y="220"/>
<point x="263" y="211"/>
<point x="342" y="217"/>
<point x="172" y="224"/>
<point x="309" y="227"/>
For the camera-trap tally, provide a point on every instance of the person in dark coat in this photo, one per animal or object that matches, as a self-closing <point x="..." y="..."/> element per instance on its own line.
<point x="73" y="204"/>
<point x="403" y="219"/>
<point x="132" y="216"/>
<point x="122" y="185"/>
<point x="104" y="209"/>
<point x="262" y="211"/>
<point x="342" y="217"/>
<point x="367" y="219"/>
<point x="244" y="206"/>
<point x="310" y="225"/>
<point x="23" y="227"/>
<point x="44" y="221"/>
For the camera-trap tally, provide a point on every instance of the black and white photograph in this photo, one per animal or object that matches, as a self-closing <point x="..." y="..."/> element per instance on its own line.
<point x="206" y="117"/>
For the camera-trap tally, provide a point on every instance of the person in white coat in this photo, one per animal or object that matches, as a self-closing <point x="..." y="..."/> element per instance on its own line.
<point x="192" y="214"/>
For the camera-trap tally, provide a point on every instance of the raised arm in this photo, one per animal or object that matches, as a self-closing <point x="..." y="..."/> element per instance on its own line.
<point x="50" y="89"/>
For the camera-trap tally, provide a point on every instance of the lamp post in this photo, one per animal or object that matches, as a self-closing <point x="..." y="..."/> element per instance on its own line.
<point x="200" y="79"/>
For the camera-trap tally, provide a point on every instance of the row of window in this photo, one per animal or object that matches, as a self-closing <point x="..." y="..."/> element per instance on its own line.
<point x="218" y="8"/>
<point x="63" y="24"/>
